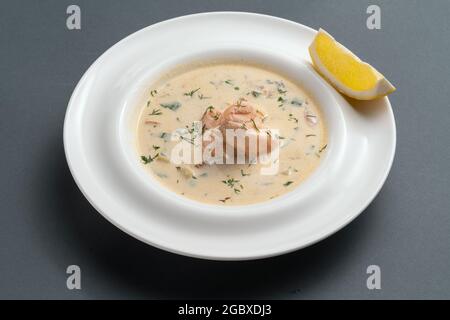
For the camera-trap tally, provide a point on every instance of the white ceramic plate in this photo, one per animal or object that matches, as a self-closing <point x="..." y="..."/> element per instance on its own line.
<point x="99" y="135"/>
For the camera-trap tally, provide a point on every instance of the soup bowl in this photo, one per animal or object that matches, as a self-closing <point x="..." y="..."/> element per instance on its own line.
<point x="297" y="70"/>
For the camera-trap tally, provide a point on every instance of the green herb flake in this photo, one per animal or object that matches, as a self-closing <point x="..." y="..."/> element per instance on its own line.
<point x="149" y="159"/>
<point x="171" y="105"/>
<point x="165" y="136"/>
<point x="156" y="112"/>
<point x="297" y="102"/>
<point x="225" y="199"/>
<point x="191" y="93"/>
<point x="254" y="124"/>
<point x="256" y="94"/>
<point x="230" y="182"/>
<point x="288" y="183"/>
<point x="244" y="174"/>
<point x="323" y="148"/>
<point x="292" y="118"/>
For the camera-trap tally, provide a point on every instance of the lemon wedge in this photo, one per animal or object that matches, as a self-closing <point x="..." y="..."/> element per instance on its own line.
<point x="345" y="71"/>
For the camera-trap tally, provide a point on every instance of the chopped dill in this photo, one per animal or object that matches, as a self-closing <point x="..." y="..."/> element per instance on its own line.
<point x="230" y="182"/>
<point x="297" y="102"/>
<point x="149" y="159"/>
<point x="225" y="199"/>
<point x="171" y="105"/>
<point x="292" y="118"/>
<point x="254" y="124"/>
<point x="288" y="183"/>
<point x="244" y="174"/>
<point x="156" y="112"/>
<point x="256" y="94"/>
<point x="323" y="148"/>
<point x="191" y="93"/>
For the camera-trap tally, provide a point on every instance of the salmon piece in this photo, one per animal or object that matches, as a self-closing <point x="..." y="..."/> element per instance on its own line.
<point x="242" y="115"/>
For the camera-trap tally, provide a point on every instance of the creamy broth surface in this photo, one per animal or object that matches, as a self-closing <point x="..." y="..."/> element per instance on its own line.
<point x="181" y="97"/>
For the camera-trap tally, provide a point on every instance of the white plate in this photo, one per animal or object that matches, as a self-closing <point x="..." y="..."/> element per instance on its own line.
<point x="98" y="141"/>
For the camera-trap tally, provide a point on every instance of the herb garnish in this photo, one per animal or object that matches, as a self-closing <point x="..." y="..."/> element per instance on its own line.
<point x="254" y="124"/>
<point x="323" y="148"/>
<point x="297" y="102"/>
<point x="244" y="174"/>
<point x="280" y="87"/>
<point x="149" y="159"/>
<point x="165" y="136"/>
<point x="230" y="182"/>
<point x="191" y="140"/>
<point x="233" y="184"/>
<point x="288" y="183"/>
<point x="256" y="94"/>
<point x="225" y="199"/>
<point x="292" y="118"/>
<point x="153" y="92"/>
<point x="171" y="105"/>
<point x="191" y="93"/>
<point x="281" y="91"/>
<point x="156" y="112"/>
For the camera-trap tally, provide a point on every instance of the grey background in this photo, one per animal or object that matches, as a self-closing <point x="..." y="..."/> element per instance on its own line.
<point x="46" y="224"/>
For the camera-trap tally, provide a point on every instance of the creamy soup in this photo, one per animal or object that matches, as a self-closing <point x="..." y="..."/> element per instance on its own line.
<point x="220" y="91"/>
